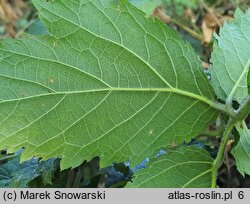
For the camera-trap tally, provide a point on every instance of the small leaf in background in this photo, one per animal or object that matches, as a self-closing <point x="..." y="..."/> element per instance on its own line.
<point x="241" y="151"/>
<point x="231" y="59"/>
<point x="188" y="167"/>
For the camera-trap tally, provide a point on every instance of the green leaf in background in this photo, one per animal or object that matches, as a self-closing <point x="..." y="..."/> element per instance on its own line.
<point x="7" y="171"/>
<point x="147" y="6"/>
<point x="231" y="58"/>
<point x="16" y="175"/>
<point x="109" y="82"/>
<point x="184" y="167"/>
<point x="241" y="151"/>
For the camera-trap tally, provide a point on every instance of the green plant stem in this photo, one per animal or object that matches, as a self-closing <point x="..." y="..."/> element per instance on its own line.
<point x="204" y="5"/>
<point x="219" y="159"/>
<point x="240" y="115"/>
<point x="188" y="29"/>
<point x="244" y="110"/>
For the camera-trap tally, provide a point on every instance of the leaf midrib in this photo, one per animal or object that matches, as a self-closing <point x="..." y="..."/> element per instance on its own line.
<point x="121" y="89"/>
<point x="174" y="90"/>
<point x="234" y="89"/>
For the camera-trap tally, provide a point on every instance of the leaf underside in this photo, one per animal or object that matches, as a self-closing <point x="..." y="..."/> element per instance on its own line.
<point x="231" y="59"/>
<point x="182" y="168"/>
<point x="107" y="81"/>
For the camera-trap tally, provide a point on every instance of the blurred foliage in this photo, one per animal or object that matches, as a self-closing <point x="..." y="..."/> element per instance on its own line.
<point x="35" y="173"/>
<point x="47" y="174"/>
<point x="16" y="174"/>
<point x="178" y="6"/>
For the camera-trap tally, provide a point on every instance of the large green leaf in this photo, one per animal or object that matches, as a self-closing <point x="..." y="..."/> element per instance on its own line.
<point x="231" y="58"/>
<point x="241" y="151"/>
<point x="188" y="167"/>
<point x="107" y="82"/>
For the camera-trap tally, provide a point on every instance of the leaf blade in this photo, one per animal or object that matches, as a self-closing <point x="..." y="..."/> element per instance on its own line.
<point x="186" y="167"/>
<point x="231" y="59"/>
<point x="101" y="94"/>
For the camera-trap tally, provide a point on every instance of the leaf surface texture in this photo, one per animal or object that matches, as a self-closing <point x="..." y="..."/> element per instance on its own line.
<point x="231" y="58"/>
<point x="107" y="81"/>
<point x="185" y="167"/>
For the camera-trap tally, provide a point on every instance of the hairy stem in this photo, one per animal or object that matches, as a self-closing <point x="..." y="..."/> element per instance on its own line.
<point x="240" y="115"/>
<point x="219" y="159"/>
<point x="196" y="35"/>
